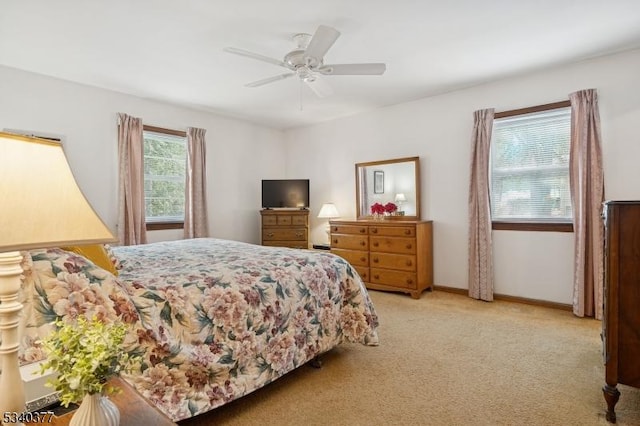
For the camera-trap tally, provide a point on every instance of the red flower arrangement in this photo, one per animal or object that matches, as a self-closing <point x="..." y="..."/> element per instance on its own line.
<point x="378" y="208"/>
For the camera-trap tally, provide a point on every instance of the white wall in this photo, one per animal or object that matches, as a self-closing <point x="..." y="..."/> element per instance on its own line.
<point x="438" y="129"/>
<point x="239" y="154"/>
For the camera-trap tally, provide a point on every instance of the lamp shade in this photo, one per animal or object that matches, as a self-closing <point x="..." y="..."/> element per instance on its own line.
<point x="400" y="198"/>
<point x="42" y="206"/>
<point x="328" y="211"/>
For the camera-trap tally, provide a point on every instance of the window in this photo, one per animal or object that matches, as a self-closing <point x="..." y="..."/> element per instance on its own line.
<point x="165" y="156"/>
<point x="530" y="169"/>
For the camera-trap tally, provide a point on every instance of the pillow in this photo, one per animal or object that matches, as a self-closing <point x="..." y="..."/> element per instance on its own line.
<point x="95" y="253"/>
<point x="112" y="256"/>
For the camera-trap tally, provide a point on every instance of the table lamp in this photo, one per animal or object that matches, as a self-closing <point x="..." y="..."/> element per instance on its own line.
<point x="400" y="198"/>
<point x="42" y="206"/>
<point x="328" y="211"/>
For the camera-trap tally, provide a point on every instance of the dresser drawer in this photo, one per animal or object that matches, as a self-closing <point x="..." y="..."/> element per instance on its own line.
<point x="354" y="242"/>
<point x="349" y="229"/>
<point x="284" y="220"/>
<point x="393" y="231"/>
<point x="299" y="220"/>
<point x="393" y="278"/>
<point x="298" y="244"/>
<point x="363" y="272"/>
<point x="354" y="257"/>
<point x="271" y="234"/>
<point x="393" y="244"/>
<point x="405" y="262"/>
<point x="269" y="220"/>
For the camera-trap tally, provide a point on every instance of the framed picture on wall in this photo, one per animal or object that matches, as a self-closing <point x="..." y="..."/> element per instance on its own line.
<point x="378" y="182"/>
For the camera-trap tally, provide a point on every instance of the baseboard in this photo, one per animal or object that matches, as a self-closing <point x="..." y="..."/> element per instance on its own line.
<point x="507" y="298"/>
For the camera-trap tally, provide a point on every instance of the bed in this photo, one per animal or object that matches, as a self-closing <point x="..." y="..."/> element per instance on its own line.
<point x="213" y="319"/>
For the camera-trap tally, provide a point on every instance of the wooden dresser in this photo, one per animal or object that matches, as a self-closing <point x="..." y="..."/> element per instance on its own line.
<point x="621" y="325"/>
<point x="389" y="255"/>
<point x="285" y="228"/>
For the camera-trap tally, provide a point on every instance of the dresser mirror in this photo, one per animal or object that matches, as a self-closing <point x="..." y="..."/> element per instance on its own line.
<point x="396" y="181"/>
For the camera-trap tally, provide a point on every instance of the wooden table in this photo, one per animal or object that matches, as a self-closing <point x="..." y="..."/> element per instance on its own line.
<point x="135" y="410"/>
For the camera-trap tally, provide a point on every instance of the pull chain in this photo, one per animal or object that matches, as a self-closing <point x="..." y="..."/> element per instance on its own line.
<point x="300" y="95"/>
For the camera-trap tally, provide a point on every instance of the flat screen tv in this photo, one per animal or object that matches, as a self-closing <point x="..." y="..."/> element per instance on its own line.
<point x="285" y="193"/>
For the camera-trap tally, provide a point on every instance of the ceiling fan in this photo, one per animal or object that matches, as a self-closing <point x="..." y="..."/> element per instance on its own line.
<point x="306" y="61"/>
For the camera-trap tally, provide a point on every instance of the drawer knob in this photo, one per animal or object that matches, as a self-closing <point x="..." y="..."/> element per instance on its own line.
<point x="375" y="244"/>
<point x="270" y="234"/>
<point x="375" y="260"/>
<point x="298" y="234"/>
<point x="374" y="230"/>
<point x="376" y="276"/>
<point x="409" y="281"/>
<point x="409" y="263"/>
<point x="335" y="241"/>
<point x="363" y="259"/>
<point x="407" y="232"/>
<point x="409" y="246"/>
<point x="362" y="243"/>
<point x="363" y="230"/>
<point x="335" y="229"/>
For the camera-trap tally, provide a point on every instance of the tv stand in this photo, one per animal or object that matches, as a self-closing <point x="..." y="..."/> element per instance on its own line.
<point x="285" y="228"/>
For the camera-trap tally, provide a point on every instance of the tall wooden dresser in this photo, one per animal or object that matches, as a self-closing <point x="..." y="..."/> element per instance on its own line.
<point x="621" y="325"/>
<point x="285" y="228"/>
<point x="389" y="255"/>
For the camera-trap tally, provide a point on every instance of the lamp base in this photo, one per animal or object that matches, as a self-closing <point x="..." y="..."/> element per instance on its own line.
<point x="11" y="387"/>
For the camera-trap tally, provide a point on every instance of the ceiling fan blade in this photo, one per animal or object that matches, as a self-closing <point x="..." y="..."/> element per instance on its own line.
<point x="269" y="80"/>
<point x="252" y="55"/>
<point x="321" y="41"/>
<point x="353" y="69"/>
<point x="319" y="86"/>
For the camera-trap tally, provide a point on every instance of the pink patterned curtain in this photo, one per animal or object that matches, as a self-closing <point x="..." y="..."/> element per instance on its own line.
<point x="480" y="248"/>
<point x="196" y="220"/>
<point x="131" y="215"/>
<point x="587" y="196"/>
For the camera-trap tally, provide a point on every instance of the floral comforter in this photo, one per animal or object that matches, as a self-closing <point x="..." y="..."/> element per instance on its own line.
<point x="213" y="319"/>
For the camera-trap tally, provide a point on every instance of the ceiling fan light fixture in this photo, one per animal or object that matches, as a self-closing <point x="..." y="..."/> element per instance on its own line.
<point x="306" y="61"/>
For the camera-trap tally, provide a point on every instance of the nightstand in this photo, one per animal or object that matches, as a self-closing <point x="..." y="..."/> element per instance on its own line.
<point x="135" y="410"/>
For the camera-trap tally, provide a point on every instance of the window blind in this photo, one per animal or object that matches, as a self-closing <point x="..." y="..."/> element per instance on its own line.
<point x="529" y="167"/>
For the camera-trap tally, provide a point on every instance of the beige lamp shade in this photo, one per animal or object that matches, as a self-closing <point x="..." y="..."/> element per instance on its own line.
<point x="41" y="204"/>
<point x="400" y="198"/>
<point x="328" y="211"/>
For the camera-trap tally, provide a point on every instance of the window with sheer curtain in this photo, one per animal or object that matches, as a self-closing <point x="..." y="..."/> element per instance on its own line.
<point x="529" y="168"/>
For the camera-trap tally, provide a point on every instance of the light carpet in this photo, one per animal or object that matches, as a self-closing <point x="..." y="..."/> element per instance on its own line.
<point x="446" y="359"/>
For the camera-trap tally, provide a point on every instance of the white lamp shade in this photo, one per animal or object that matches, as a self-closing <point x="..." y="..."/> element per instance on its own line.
<point x="42" y="206"/>
<point x="400" y="198"/>
<point x="328" y="211"/>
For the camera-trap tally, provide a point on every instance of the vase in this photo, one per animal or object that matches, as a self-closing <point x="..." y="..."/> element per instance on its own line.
<point x="96" y="410"/>
<point x="378" y="216"/>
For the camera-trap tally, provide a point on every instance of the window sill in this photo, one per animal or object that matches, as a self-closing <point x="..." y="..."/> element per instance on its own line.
<point x="158" y="226"/>
<point x="532" y="226"/>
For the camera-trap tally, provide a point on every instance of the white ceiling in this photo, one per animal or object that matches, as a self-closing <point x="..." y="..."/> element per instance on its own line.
<point x="171" y="50"/>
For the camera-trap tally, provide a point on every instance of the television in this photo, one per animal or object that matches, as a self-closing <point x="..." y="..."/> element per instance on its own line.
<point x="285" y="193"/>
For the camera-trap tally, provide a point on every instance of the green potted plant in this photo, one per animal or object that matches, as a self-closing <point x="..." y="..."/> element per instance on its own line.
<point x="85" y="354"/>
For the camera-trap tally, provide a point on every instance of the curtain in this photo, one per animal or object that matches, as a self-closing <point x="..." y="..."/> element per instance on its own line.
<point x="480" y="248"/>
<point x="586" y="182"/>
<point x="195" y="214"/>
<point x="131" y="216"/>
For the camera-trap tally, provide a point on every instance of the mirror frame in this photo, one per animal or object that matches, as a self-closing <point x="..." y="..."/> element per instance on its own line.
<point x="365" y="215"/>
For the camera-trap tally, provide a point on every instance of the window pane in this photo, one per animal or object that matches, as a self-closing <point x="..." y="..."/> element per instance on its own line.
<point x="530" y="167"/>
<point x="164" y="176"/>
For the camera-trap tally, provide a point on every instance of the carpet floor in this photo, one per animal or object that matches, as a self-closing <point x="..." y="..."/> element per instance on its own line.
<point x="446" y="359"/>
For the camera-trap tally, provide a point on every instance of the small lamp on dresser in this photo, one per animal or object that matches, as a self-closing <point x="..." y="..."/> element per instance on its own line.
<point x="328" y="211"/>
<point x="42" y="207"/>
<point x="399" y="200"/>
